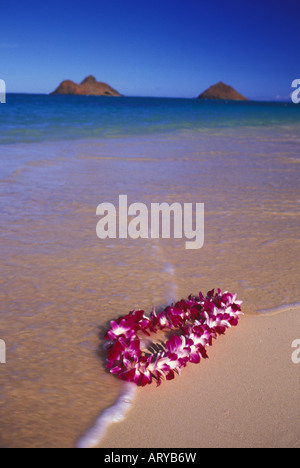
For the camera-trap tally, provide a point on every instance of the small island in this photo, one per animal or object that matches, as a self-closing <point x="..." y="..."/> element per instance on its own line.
<point x="88" y="87"/>
<point x="222" y="91"/>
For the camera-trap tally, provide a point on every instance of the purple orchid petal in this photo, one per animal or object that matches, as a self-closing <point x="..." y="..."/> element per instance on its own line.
<point x="199" y="320"/>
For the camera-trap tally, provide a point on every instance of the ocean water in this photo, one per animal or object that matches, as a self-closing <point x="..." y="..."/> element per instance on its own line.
<point x="60" y="285"/>
<point x="32" y="118"/>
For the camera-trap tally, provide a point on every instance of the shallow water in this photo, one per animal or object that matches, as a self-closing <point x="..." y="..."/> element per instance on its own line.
<point x="60" y="284"/>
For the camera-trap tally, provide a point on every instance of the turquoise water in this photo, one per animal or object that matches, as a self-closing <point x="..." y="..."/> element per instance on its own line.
<point x="33" y="118"/>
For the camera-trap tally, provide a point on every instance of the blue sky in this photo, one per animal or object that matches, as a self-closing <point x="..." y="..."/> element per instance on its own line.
<point x="172" y="48"/>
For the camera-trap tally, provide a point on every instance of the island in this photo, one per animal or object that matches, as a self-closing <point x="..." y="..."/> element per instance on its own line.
<point x="88" y="87"/>
<point x="222" y="91"/>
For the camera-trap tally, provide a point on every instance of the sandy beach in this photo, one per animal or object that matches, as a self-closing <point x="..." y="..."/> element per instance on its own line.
<point x="245" y="395"/>
<point x="61" y="286"/>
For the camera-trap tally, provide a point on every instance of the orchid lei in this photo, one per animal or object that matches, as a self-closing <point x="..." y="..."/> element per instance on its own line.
<point x="199" y="320"/>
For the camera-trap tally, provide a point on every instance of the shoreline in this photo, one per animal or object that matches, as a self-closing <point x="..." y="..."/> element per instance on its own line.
<point x="61" y="285"/>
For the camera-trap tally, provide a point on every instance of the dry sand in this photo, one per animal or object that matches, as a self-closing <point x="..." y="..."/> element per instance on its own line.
<point x="245" y="395"/>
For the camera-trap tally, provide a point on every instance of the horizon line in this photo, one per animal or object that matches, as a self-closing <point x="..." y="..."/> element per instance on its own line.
<point x="153" y="97"/>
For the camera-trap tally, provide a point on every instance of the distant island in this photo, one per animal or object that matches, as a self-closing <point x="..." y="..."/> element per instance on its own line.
<point x="88" y="87"/>
<point x="222" y="91"/>
<point x="91" y="87"/>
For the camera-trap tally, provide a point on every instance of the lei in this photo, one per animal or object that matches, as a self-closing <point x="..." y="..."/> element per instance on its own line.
<point x="198" y="321"/>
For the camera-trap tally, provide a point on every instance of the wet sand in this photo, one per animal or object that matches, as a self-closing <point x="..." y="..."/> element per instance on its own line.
<point x="60" y="286"/>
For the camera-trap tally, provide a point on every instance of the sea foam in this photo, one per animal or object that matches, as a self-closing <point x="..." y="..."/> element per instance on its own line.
<point x="279" y="309"/>
<point x="119" y="410"/>
<point x="113" y="414"/>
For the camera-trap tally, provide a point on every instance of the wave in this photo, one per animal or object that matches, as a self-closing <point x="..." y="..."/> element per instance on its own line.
<point x="279" y="309"/>
<point x="113" y="414"/>
<point x="119" y="410"/>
